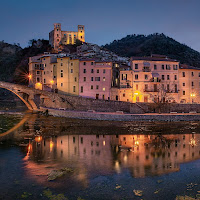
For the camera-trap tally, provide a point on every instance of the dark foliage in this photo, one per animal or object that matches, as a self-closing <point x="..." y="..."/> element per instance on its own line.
<point x="141" y="45"/>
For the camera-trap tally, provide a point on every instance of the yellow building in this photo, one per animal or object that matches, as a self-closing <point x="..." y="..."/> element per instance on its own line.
<point x="42" y="71"/>
<point x="189" y="84"/>
<point x="68" y="75"/>
<point x="58" y="37"/>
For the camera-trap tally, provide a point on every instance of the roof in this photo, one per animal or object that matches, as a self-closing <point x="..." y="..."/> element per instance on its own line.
<point x="154" y="59"/>
<point x="184" y="66"/>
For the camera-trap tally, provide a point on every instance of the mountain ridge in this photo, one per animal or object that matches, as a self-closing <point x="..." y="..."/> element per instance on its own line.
<point x="142" y="45"/>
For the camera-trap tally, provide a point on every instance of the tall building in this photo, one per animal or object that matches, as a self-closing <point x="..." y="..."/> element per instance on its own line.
<point x="150" y="79"/>
<point x="58" y="37"/>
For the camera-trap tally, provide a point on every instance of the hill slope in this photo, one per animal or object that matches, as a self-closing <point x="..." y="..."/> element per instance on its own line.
<point x="14" y="59"/>
<point x="141" y="45"/>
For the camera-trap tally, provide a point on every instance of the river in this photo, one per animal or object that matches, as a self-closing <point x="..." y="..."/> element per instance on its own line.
<point x="44" y="157"/>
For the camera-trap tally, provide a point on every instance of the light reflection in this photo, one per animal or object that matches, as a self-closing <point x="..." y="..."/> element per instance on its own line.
<point x="146" y="156"/>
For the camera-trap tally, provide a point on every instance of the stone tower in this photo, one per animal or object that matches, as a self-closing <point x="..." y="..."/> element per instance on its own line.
<point x="81" y="33"/>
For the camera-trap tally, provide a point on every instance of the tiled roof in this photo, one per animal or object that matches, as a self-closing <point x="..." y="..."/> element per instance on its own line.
<point x="184" y="66"/>
<point x="154" y="59"/>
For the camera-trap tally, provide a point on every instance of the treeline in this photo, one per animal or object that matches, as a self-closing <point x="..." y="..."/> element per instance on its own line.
<point x="142" y="45"/>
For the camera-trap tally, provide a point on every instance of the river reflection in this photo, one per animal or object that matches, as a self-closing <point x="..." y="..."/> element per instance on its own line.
<point x="101" y="154"/>
<point x="142" y="155"/>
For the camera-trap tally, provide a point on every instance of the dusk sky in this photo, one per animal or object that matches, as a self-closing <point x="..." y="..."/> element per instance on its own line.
<point x="104" y="20"/>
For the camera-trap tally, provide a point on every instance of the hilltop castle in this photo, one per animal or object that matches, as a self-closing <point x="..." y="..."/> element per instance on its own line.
<point x="58" y="37"/>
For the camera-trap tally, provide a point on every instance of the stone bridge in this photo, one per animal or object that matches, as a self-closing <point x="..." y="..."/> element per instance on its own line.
<point x="38" y="100"/>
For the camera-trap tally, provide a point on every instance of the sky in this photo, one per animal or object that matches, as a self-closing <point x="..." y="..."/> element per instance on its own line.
<point x="104" y="20"/>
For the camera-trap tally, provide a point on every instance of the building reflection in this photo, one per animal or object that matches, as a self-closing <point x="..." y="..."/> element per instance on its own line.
<point x="94" y="155"/>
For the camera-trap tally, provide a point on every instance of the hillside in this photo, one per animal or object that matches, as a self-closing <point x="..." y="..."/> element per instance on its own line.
<point x="14" y="59"/>
<point x="141" y="45"/>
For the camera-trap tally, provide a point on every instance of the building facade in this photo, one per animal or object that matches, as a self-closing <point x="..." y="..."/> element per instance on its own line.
<point x="95" y="79"/>
<point x="58" y="37"/>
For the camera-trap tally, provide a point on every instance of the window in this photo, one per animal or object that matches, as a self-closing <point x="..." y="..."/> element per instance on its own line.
<point x="75" y="79"/>
<point x="61" y="64"/>
<point x="97" y="70"/>
<point x="61" y="84"/>
<point x="92" y="70"/>
<point x="168" y="77"/>
<point x="175" y="77"/>
<point x="136" y="76"/>
<point x="44" y="73"/>
<point x="116" y="97"/>
<point x="192" y="83"/>
<point x="176" y="88"/>
<point x="167" y="87"/>
<point x="183" y="84"/>
<point x="192" y="73"/>
<point x="136" y="66"/>
<point x="38" y="79"/>
<point x="104" y="79"/>
<point x="183" y="92"/>
<point x="104" y="89"/>
<point x="91" y="87"/>
<point x="84" y="71"/>
<point x="97" y="78"/>
<point x="163" y="67"/>
<point x="92" y="78"/>
<point x="175" y="67"/>
<point x="44" y="80"/>
<point x="183" y="74"/>
<point x="84" y="79"/>
<point x="92" y="63"/>
<point x="74" y="88"/>
<point x="84" y="63"/>
<point x="136" y="86"/>
<point x="199" y="74"/>
<point x="146" y="77"/>
<point x="124" y="76"/>
<point x="123" y="94"/>
<point x="71" y="64"/>
<point x="163" y="77"/>
<point x="104" y="71"/>
<point x="81" y="89"/>
<point x="168" y="67"/>
<point x="146" y="87"/>
<point x="38" y="72"/>
<point x="71" y="70"/>
<point x="97" y="87"/>
<point x="155" y="67"/>
<point x="61" y="73"/>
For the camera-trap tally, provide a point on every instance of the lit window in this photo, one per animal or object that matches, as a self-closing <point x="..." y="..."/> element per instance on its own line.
<point x="104" y="89"/>
<point x="104" y="79"/>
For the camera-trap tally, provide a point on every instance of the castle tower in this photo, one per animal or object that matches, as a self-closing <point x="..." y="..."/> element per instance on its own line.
<point x="57" y="35"/>
<point x="81" y="33"/>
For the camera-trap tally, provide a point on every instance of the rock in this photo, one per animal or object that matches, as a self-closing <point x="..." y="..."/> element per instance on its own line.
<point x="54" y="174"/>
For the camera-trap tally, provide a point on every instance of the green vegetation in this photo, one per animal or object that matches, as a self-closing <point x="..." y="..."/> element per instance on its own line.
<point x="141" y="45"/>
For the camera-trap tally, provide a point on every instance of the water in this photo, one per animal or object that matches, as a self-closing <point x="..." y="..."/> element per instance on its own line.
<point x="97" y="160"/>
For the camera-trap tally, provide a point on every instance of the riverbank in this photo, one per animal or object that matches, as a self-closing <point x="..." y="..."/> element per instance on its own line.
<point x="120" y="116"/>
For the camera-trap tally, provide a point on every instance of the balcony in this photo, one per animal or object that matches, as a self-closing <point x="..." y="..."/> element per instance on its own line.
<point x="151" y="90"/>
<point x="39" y="67"/>
<point x="125" y="86"/>
<point x="155" y="80"/>
<point x="146" y="69"/>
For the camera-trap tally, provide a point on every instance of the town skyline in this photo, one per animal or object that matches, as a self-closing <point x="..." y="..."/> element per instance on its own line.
<point x="104" y="21"/>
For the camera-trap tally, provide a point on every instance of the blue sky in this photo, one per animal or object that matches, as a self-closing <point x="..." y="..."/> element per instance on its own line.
<point x="104" y="20"/>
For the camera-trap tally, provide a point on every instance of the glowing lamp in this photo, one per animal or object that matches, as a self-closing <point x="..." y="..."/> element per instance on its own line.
<point x="29" y="76"/>
<point x="52" y="82"/>
<point x="38" y="139"/>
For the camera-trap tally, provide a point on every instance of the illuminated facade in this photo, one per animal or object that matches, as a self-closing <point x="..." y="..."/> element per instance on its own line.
<point x="68" y="75"/>
<point x="189" y="84"/>
<point x="95" y="79"/>
<point x="58" y="37"/>
<point x="150" y="79"/>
